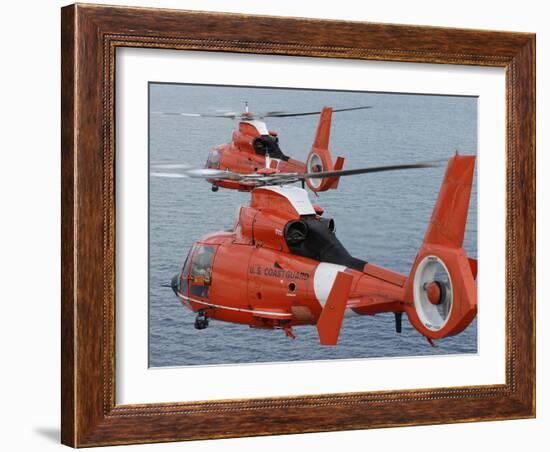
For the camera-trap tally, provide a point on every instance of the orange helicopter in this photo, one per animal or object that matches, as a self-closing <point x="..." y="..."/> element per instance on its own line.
<point x="283" y="266"/>
<point x="255" y="149"/>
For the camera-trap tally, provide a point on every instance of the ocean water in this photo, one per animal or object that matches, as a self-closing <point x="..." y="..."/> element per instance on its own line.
<point x="380" y="218"/>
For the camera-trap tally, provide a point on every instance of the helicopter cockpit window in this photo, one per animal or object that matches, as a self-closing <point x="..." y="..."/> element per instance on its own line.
<point x="184" y="286"/>
<point x="201" y="270"/>
<point x="269" y="145"/>
<point x="214" y="158"/>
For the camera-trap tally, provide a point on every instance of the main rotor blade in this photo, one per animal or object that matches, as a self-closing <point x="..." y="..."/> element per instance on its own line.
<point x="228" y="115"/>
<point x="206" y="174"/>
<point x="209" y="173"/>
<point x="169" y="175"/>
<point x="309" y="113"/>
<point x="372" y="169"/>
<point x="170" y="166"/>
<point x="255" y="115"/>
<point x="257" y="179"/>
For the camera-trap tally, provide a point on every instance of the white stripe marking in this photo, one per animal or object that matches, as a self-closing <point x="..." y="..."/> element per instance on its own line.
<point x="323" y="280"/>
<point x="259" y="126"/>
<point x="297" y="197"/>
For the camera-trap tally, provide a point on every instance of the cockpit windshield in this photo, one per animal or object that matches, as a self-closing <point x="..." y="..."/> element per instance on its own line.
<point x="196" y="275"/>
<point x="200" y="276"/>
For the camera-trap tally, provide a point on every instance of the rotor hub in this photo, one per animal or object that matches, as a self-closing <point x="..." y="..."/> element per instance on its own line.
<point x="433" y="292"/>
<point x="267" y="171"/>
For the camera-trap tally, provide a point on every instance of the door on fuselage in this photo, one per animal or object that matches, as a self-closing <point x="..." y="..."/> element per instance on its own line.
<point x="200" y="274"/>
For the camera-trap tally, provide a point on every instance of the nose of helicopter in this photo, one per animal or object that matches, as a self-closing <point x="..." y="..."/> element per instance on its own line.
<point x="174" y="282"/>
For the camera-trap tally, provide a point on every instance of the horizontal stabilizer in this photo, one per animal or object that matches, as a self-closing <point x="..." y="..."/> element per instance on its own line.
<point x="330" y="320"/>
<point x="338" y="166"/>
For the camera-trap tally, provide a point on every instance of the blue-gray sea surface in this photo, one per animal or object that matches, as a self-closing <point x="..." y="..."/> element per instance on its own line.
<point x="379" y="217"/>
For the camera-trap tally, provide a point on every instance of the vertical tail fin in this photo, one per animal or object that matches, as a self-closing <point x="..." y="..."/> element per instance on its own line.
<point x="322" y="136"/>
<point x="441" y="289"/>
<point x="448" y="221"/>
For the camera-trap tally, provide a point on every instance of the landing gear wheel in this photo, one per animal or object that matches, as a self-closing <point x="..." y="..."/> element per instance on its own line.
<point x="433" y="293"/>
<point x="201" y="322"/>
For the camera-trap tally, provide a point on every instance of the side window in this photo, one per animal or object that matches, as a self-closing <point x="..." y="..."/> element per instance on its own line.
<point x="184" y="277"/>
<point x="201" y="270"/>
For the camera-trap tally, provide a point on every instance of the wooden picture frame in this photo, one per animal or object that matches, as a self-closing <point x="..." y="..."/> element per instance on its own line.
<point x="90" y="37"/>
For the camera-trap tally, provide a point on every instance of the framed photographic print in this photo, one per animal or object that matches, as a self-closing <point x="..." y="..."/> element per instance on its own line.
<point x="282" y="225"/>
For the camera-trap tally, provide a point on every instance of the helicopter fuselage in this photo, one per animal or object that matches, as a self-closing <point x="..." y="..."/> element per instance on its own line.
<point x="251" y="276"/>
<point x="252" y="148"/>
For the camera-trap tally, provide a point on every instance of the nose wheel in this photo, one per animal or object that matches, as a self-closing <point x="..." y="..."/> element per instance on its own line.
<point x="201" y="321"/>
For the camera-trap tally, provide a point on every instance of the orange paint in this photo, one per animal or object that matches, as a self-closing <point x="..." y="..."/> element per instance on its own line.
<point x="251" y="275"/>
